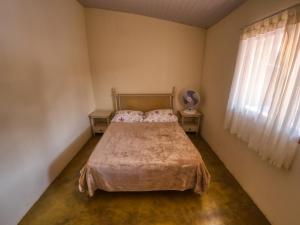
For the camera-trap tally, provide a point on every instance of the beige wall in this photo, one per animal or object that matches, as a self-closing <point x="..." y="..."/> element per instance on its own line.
<point x="276" y="192"/>
<point x="141" y="54"/>
<point x="45" y="96"/>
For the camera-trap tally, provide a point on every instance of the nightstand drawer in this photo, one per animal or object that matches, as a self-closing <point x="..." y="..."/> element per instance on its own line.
<point x="190" y="127"/>
<point x="99" y="128"/>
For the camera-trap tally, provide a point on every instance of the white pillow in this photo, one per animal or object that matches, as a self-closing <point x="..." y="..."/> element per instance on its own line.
<point x="160" y="115"/>
<point x="128" y="116"/>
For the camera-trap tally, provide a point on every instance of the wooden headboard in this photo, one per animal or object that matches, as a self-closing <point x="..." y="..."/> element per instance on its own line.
<point x="143" y="101"/>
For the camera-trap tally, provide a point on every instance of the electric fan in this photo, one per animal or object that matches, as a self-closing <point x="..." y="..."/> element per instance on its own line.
<point x="190" y="99"/>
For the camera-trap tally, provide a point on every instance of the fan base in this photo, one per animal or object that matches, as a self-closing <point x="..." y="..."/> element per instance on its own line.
<point x="190" y="111"/>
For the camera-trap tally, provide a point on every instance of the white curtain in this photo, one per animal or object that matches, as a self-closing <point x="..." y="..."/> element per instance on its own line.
<point x="264" y="103"/>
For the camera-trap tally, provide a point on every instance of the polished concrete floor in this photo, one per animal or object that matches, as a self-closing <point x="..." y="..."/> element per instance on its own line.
<point x="224" y="203"/>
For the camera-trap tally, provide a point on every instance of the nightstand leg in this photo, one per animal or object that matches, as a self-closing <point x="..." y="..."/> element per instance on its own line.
<point x="198" y="129"/>
<point x="92" y="126"/>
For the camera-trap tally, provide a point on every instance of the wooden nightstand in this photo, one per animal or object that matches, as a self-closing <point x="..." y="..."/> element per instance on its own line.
<point x="190" y="122"/>
<point x="99" y="120"/>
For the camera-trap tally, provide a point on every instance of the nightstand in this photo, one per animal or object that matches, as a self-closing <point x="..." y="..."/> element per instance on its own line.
<point x="99" y="120"/>
<point x="190" y="122"/>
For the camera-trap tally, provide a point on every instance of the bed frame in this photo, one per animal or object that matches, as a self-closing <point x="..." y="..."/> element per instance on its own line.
<point x="143" y="101"/>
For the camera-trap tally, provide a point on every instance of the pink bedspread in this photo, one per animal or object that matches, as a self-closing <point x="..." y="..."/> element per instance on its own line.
<point x="144" y="157"/>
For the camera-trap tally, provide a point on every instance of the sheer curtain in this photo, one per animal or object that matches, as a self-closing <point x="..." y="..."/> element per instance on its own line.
<point x="264" y="103"/>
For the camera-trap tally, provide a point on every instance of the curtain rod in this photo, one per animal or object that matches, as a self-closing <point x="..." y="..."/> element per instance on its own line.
<point x="273" y="14"/>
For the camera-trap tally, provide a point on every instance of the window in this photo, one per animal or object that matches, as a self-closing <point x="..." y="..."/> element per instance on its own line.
<point x="264" y="103"/>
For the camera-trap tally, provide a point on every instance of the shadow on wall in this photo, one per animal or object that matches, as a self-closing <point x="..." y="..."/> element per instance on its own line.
<point x="67" y="154"/>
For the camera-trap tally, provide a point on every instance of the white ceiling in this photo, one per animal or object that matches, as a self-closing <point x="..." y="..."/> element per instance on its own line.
<point x="202" y="13"/>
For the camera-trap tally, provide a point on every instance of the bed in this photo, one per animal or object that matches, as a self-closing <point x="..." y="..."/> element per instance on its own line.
<point x="144" y="156"/>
